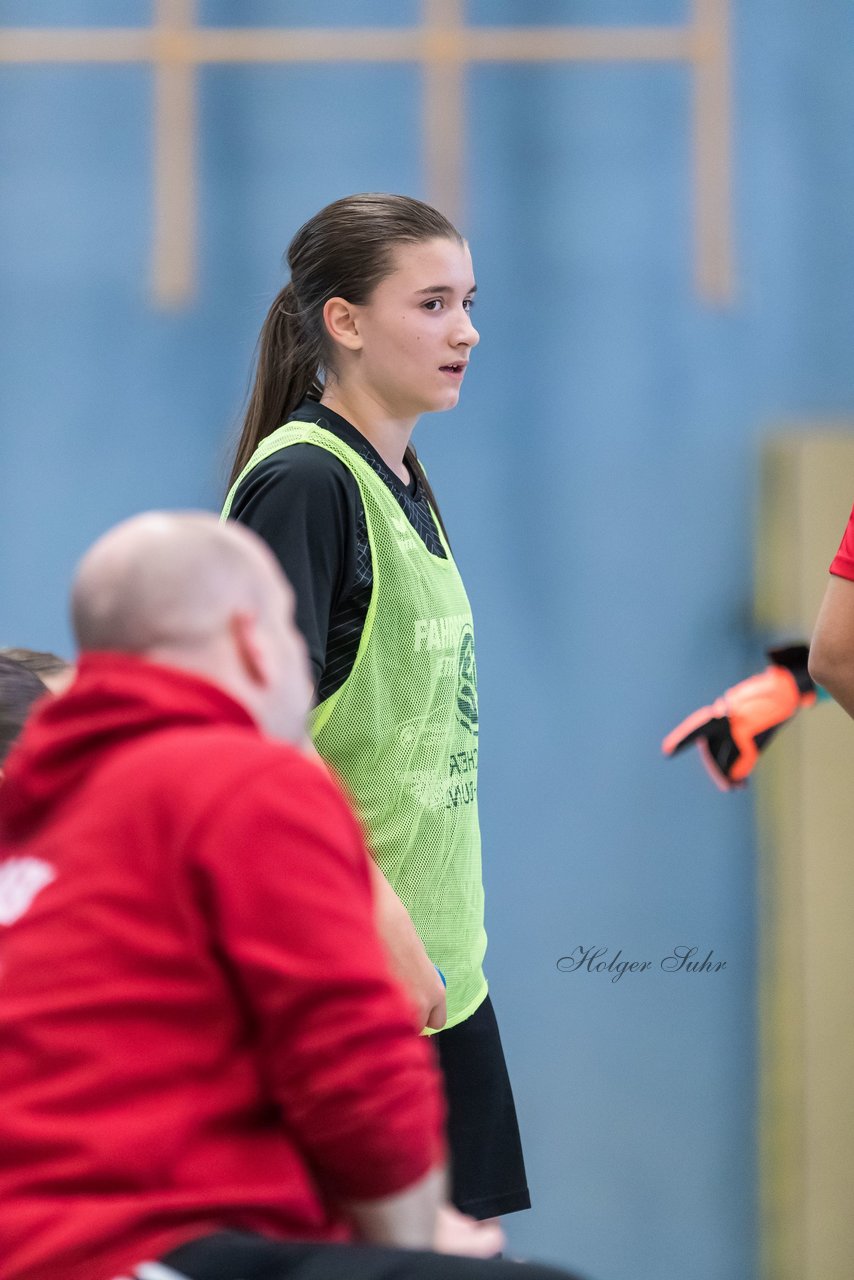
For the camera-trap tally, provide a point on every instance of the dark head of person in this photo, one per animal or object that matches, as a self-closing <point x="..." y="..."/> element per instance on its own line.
<point x="54" y="672"/>
<point x="20" y="688"/>
<point x="345" y="251"/>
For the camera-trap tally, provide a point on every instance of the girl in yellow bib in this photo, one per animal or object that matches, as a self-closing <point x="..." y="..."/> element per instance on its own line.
<point x="374" y="329"/>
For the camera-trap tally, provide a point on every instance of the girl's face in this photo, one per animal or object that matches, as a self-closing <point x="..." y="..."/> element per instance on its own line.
<point x="416" y="331"/>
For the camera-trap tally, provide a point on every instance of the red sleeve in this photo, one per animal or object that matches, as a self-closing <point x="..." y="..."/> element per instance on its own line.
<point x="284" y="871"/>
<point x="843" y="561"/>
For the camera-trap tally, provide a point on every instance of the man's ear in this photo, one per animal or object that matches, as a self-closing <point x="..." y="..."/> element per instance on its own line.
<point x="342" y="323"/>
<point x="249" y="650"/>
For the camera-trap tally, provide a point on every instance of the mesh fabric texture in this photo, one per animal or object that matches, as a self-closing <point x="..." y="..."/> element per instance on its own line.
<point x="402" y="731"/>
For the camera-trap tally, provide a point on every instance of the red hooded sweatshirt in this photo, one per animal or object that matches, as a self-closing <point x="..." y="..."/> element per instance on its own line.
<point x="198" y="1027"/>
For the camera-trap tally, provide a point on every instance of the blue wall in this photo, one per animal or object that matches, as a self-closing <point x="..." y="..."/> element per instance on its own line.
<point x="599" y="479"/>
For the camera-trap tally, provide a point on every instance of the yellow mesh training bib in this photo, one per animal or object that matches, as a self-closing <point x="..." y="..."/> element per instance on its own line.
<point x="402" y="731"/>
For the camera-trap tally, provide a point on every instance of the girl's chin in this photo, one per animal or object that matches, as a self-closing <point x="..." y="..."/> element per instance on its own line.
<point x="446" y="401"/>
<point x="437" y="402"/>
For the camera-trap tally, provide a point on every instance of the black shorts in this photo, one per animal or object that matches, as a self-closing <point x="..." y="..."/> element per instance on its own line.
<point x="487" y="1166"/>
<point x="236" y="1255"/>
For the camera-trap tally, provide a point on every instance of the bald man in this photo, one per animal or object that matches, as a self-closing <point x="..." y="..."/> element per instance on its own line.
<point x="208" y="1070"/>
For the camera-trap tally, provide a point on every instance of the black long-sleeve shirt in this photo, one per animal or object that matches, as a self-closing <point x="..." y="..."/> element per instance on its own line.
<point x="305" y="503"/>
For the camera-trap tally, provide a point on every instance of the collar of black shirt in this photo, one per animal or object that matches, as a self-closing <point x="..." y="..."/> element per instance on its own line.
<point x="322" y="416"/>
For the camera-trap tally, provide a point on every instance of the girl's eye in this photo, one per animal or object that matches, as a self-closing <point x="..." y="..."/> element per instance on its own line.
<point x="435" y="303"/>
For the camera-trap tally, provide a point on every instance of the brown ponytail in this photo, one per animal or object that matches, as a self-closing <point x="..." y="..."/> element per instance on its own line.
<point x="287" y="371"/>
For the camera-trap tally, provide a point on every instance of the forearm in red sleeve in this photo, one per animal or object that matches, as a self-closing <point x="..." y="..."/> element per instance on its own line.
<point x="287" y="874"/>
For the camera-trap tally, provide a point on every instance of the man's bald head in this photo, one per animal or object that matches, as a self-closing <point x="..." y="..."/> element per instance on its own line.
<point x="182" y="590"/>
<point x="168" y="580"/>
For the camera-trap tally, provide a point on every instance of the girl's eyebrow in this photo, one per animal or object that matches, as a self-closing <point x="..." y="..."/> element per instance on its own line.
<point x="445" y="288"/>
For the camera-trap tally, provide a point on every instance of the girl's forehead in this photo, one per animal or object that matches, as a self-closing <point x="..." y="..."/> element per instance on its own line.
<point x="431" y="264"/>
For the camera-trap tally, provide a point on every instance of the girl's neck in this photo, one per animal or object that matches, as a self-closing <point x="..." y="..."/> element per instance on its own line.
<point x="389" y="435"/>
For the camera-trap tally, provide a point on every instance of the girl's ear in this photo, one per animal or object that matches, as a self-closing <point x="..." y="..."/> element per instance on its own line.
<point x="342" y="323"/>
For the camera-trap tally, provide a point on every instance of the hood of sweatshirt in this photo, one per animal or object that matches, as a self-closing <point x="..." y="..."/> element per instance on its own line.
<point x="114" y="699"/>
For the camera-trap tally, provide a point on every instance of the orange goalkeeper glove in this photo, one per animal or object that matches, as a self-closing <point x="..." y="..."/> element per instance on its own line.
<point x="732" y="732"/>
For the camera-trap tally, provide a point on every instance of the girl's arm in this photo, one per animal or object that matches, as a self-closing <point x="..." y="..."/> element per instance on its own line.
<point x="832" y="648"/>
<point x="410" y="962"/>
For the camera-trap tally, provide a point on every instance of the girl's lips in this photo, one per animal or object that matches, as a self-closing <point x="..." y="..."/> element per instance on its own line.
<point x="454" y="370"/>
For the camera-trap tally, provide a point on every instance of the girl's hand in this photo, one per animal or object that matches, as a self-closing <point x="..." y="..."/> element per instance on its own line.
<point x="459" y="1234"/>
<point x="438" y="1013"/>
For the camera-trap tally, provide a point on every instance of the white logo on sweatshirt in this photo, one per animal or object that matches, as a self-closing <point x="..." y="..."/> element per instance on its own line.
<point x="20" y="880"/>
